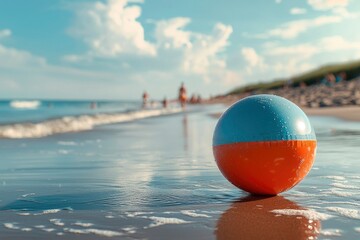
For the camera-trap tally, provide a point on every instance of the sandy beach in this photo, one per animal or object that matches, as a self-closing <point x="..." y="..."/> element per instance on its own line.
<point x="350" y="113"/>
<point x="341" y="100"/>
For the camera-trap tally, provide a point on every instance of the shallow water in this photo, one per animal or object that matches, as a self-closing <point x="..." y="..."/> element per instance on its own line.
<point x="156" y="178"/>
<point x="37" y="110"/>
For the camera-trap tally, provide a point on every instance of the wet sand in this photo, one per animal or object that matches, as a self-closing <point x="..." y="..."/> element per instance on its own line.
<point x="157" y="179"/>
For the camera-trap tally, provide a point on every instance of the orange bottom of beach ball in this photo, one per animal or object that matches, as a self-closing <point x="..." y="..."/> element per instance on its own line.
<point x="268" y="167"/>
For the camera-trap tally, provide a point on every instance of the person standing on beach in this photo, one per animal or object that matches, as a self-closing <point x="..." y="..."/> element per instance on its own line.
<point x="165" y="103"/>
<point x="182" y="95"/>
<point x="145" y="98"/>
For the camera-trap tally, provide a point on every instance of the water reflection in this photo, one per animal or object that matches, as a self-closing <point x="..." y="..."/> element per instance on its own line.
<point x="185" y="132"/>
<point x="251" y="218"/>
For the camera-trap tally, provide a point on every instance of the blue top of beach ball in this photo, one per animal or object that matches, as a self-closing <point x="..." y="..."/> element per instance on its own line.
<point x="262" y="118"/>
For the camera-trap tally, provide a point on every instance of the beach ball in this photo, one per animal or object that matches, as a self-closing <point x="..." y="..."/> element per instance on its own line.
<point x="264" y="144"/>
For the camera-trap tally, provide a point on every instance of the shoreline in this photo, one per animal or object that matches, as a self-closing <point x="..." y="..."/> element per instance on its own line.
<point x="348" y="113"/>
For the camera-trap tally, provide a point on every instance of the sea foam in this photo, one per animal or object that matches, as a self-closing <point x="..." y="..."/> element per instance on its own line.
<point x="11" y="226"/>
<point x="337" y="178"/>
<point x="338" y="193"/>
<point x="192" y="213"/>
<point x="48" y="211"/>
<point x="76" y="123"/>
<point x="99" y="232"/>
<point x="25" y="104"/>
<point x="346" y="212"/>
<point x="83" y="224"/>
<point x="57" y="222"/>
<point x="158" y="221"/>
<point x="331" y="232"/>
<point x="340" y="185"/>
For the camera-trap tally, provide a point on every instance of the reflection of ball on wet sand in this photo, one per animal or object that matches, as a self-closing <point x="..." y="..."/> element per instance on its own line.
<point x="252" y="218"/>
<point x="264" y="144"/>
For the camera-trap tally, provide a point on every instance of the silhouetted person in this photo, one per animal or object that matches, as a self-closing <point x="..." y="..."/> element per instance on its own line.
<point x="199" y="99"/>
<point x="182" y="95"/>
<point x="145" y="98"/>
<point x="165" y="103"/>
<point x="193" y="99"/>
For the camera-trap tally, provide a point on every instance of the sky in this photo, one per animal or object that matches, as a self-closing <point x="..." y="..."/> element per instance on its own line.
<point x="116" y="49"/>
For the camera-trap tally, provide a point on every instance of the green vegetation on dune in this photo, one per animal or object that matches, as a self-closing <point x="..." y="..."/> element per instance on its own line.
<point x="352" y="70"/>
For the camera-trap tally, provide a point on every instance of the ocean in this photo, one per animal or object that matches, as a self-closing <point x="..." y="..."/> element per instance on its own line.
<point x="134" y="173"/>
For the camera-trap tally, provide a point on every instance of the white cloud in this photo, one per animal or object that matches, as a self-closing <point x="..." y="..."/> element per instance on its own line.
<point x="294" y="59"/>
<point x="291" y="67"/>
<point x="253" y="60"/>
<point x="280" y="62"/>
<point x="203" y="53"/>
<point x="290" y="60"/>
<point x="111" y="29"/>
<point x="198" y="53"/>
<point x="170" y="33"/>
<point x="26" y="75"/>
<point x="276" y="61"/>
<point x="292" y="29"/>
<point x="176" y="51"/>
<point x="336" y="43"/>
<point x="300" y="50"/>
<point x="5" y="33"/>
<point x="343" y="12"/>
<point x="11" y="57"/>
<point x="203" y="58"/>
<point x="251" y="57"/>
<point x="23" y="61"/>
<point x="324" y="5"/>
<point x="297" y="11"/>
<point x="73" y="58"/>
<point x="181" y="55"/>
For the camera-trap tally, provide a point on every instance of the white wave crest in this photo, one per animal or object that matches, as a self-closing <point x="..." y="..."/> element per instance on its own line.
<point x="25" y="104"/>
<point x="76" y="123"/>
<point x="158" y="221"/>
<point x="99" y="232"/>
<point x="346" y="212"/>
<point x="194" y="214"/>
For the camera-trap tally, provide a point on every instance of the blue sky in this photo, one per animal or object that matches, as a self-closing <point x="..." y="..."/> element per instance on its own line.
<point x="116" y="49"/>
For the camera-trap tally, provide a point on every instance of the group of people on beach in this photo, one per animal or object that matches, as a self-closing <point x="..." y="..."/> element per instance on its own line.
<point x="182" y="98"/>
<point x="330" y="79"/>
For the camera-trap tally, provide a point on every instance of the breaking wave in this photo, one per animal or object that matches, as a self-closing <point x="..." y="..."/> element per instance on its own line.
<point x="25" y="104"/>
<point x="76" y="123"/>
